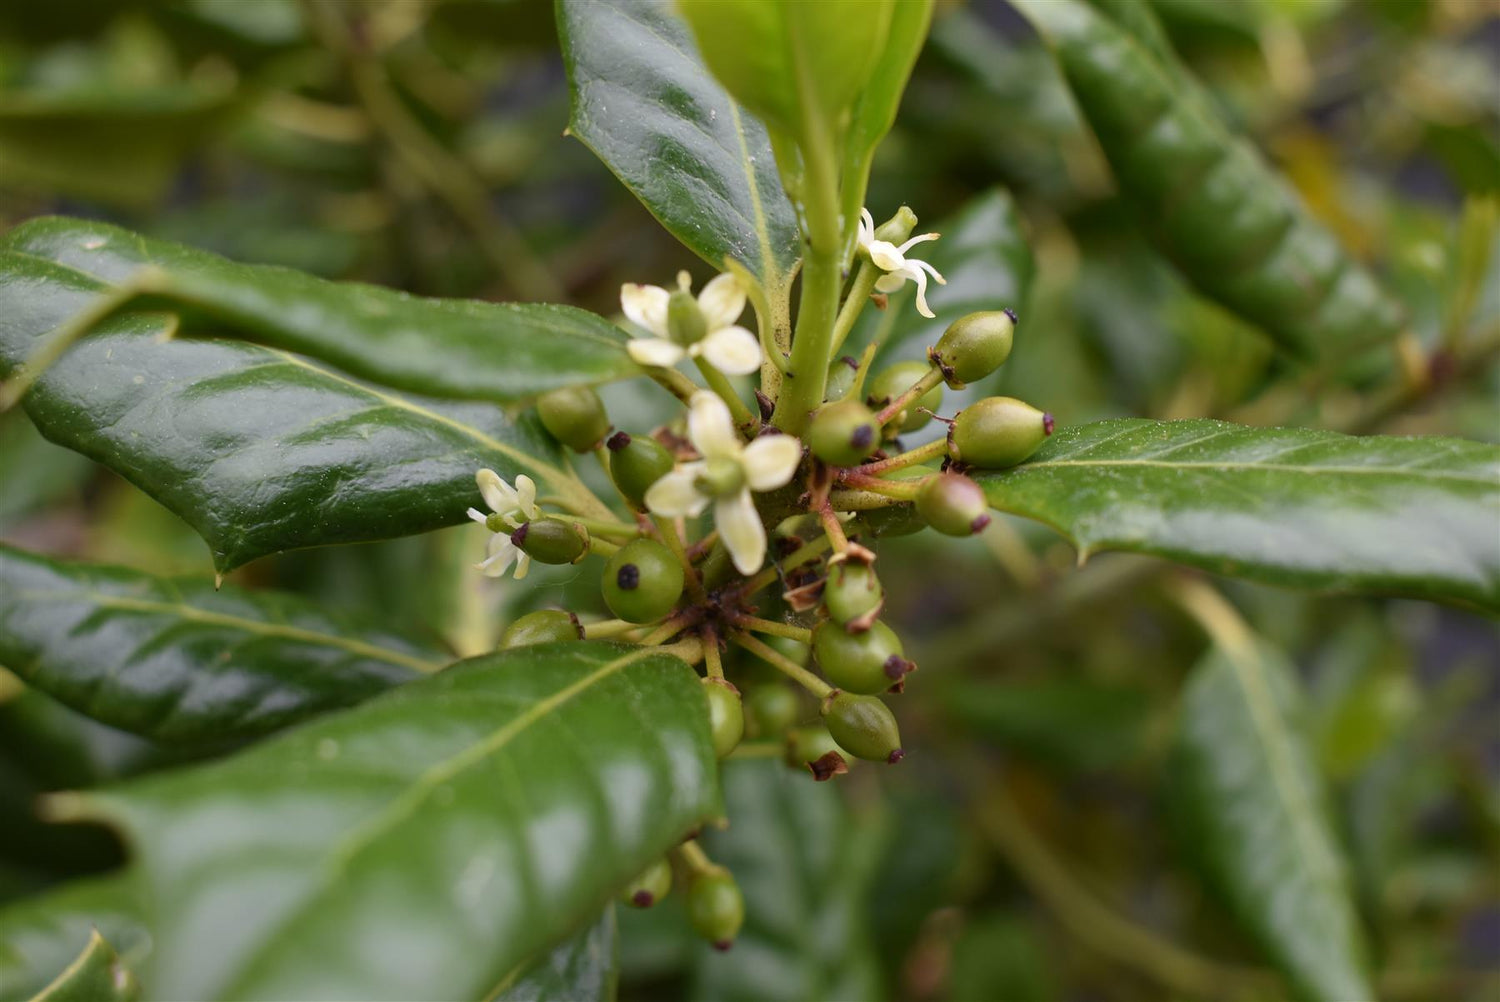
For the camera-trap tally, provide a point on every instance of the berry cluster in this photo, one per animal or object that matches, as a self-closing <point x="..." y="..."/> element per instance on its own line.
<point x="810" y="501"/>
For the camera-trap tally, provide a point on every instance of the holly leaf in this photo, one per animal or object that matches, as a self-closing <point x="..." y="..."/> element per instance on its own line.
<point x="425" y="843"/>
<point x="41" y="936"/>
<point x="581" y="968"/>
<point x="464" y="349"/>
<point x="646" y="105"/>
<point x="95" y="975"/>
<point x="1303" y="508"/>
<point x="258" y="449"/>
<point x="1243" y="773"/>
<point x="178" y="660"/>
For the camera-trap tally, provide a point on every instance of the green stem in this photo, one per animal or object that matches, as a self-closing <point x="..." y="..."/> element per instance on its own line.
<point x="673" y="382"/>
<point x="691" y="855"/>
<point x="602" y="547"/>
<point x="809" y="551"/>
<point x="912" y="457"/>
<point x="784" y="664"/>
<point x="931" y="378"/>
<point x="862" y="500"/>
<point x="712" y="662"/>
<point x="854" y="303"/>
<point x="901" y="490"/>
<point x="599" y="527"/>
<point x="789" y="630"/>
<point x="608" y="628"/>
<point x="667" y="530"/>
<point x="747" y="423"/>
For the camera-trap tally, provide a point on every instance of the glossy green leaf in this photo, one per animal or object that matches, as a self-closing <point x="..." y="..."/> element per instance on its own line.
<point x="425" y="843"/>
<point x="582" y="969"/>
<point x="1311" y="509"/>
<point x="95" y="975"/>
<point x="645" y="104"/>
<point x="41" y="936"/>
<point x="1235" y="230"/>
<point x="807" y="868"/>
<point x="178" y="660"/>
<point x="1244" y="775"/>
<point x="463" y="349"/>
<point x="988" y="265"/>
<point x="259" y="450"/>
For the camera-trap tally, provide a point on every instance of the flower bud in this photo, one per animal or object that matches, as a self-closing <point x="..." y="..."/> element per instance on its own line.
<point x="544" y="626"/>
<point x="953" y="505"/>
<point x="685" y="322"/>
<point x="864" y="663"/>
<point x="552" y="542"/>
<point x="650" y="887"/>
<point x="891" y="383"/>
<point x="575" y="417"/>
<point x="770" y="708"/>
<point x="852" y="592"/>
<point x="843" y="433"/>
<point x="863" y="726"/>
<point x="635" y="463"/>
<point x="974" y="346"/>
<point x="715" y="907"/>
<point x="726" y="715"/>
<point x="896" y="229"/>
<point x="642" y="581"/>
<point x="813" y="747"/>
<point x="997" y="432"/>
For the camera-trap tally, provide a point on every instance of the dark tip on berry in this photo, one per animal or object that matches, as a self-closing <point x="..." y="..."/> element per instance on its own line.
<point x="573" y="616"/>
<point x="1012" y="314"/>
<point x="723" y="945"/>
<point x="629" y="577"/>
<point x="979" y="523"/>
<point x="831" y="764"/>
<point x="1048" y="424"/>
<point x="851" y="362"/>
<point x="896" y="756"/>
<point x="617" y="441"/>
<point x="643" y="899"/>
<point x="766" y="404"/>
<point x="863" y="437"/>
<point x="896" y="666"/>
<point x="519" y="536"/>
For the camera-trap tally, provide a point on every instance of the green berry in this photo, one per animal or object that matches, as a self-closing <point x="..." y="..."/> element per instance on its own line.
<point x="896" y="229"/>
<point x="715" y="907"/>
<point x="726" y="715"/>
<point x="863" y="726"/>
<point x="642" y="582"/>
<point x="813" y="748"/>
<point x="974" y="346"/>
<point x="575" y="417"/>
<point x="997" y="432"/>
<point x="542" y="627"/>
<point x="891" y="383"/>
<point x="843" y="433"/>
<point x="770" y="708"/>
<point x="953" y="505"/>
<point x="793" y="650"/>
<point x="650" y="887"/>
<point x="853" y="591"/>
<point x="552" y="542"/>
<point x="864" y="663"/>
<point x="635" y="463"/>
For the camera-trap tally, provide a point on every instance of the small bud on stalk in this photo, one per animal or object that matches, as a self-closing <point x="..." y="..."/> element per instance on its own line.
<point x="974" y="346"/>
<point x="650" y="887"/>
<point x="843" y="433"/>
<point x="635" y="463"/>
<point x="575" y="417"/>
<point x="953" y="505"/>
<point x="726" y="715"/>
<point x="863" y="663"/>
<point x="552" y="542"/>
<point x="715" y="907"/>
<point x="863" y="726"/>
<point x="997" y="433"/>
<point x="544" y="626"/>
<point x="852" y="594"/>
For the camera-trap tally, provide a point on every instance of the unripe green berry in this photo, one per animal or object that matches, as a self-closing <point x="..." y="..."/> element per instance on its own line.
<point x="843" y="433"/>
<point x="575" y="417"/>
<point x="891" y="383"/>
<point x="635" y="463"/>
<point x="840" y="377"/>
<point x="974" y="346"/>
<point x="864" y="663"/>
<point x="953" y="505"/>
<point x="814" y="749"/>
<point x="552" y="542"/>
<point x="544" y="626"/>
<point x="685" y="322"/>
<point x="863" y="726"/>
<point x="726" y="715"/>
<point x="642" y="581"/>
<point x="896" y="229"/>
<point x="853" y="591"/>
<point x="997" y="432"/>
<point x="650" y="887"/>
<point x="770" y="708"/>
<point x="715" y="907"/>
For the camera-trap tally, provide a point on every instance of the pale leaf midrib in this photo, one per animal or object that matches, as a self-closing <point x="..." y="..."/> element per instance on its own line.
<point x="1382" y="471"/>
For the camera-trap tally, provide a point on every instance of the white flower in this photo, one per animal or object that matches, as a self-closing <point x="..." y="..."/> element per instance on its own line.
<point x="894" y="262"/>
<point x="726" y="345"/>
<point x="725" y="476"/>
<point x="512" y="506"/>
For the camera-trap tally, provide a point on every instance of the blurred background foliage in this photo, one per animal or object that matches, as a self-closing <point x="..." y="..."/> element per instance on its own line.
<point x="1030" y="849"/>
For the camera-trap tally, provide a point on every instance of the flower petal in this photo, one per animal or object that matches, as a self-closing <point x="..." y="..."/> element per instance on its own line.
<point x="526" y="496"/>
<point x="722" y="301"/>
<point x="674" y="494"/>
<point x="770" y="461"/>
<point x="733" y="350"/>
<point x="710" y="426"/>
<point x="890" y="282"/>
<point x="501" y="552"/>
<point x="657" y="351"/>
<point x="523" y="565"/>
<point x="886" y="256"/>
<point x="866" y="227"/>
<point x="920" y="277"/>
<point x="740" y="529"/>
<point x="923" y="238"/>
<point x="478" y="516"/>
<point x="645" y="306"/>
<point x="496" y="492"/>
